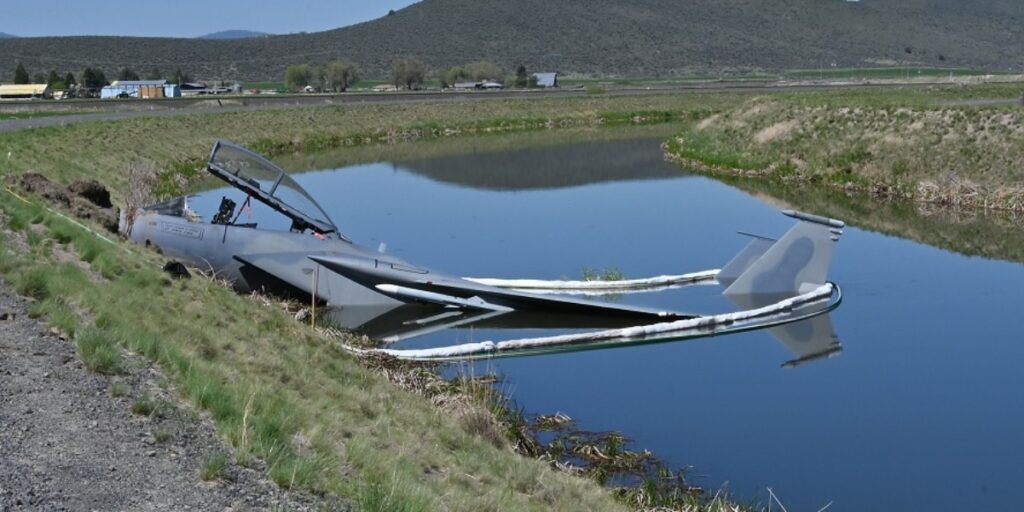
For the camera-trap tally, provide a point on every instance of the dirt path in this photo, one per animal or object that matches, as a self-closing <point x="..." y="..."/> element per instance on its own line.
<point x="67" y="443"/>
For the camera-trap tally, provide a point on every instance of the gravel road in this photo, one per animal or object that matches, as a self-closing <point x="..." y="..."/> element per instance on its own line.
<point x="66" y="443"/>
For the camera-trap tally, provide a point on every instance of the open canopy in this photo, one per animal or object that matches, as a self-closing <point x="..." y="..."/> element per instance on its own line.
<point x="269" y="184"/>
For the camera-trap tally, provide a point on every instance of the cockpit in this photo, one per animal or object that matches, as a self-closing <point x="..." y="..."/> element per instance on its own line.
<point x="267" y="183"/>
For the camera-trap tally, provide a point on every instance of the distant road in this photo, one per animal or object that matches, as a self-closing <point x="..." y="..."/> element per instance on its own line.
<point x="109" y="110"/>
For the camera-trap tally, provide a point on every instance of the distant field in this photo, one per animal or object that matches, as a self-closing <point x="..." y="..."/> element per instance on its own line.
<point x="882" y="72"/>
<point x="571" y="81"/>
<point x="263" y="86"/>
<point x="361" y="84"/>
<point x="828" y="73"/>
<point x="32" y="115"/>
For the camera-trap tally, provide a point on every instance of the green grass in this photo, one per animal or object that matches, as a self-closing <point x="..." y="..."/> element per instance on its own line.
<point x="825" y="73"/>
<point x="179" y="144"/>
<point x="608" y="274"/>
<point x="926" y="145"/>
<point x="276" y="391"/>
<point x="213" y="467"/>
<point x="98" y="352"/>
<point x="882" y="73"/>
<point x="267" y="85"/>
<point x="145" y="405"/>
<point x="119" y="389"/>
<point x="163" y="436"/>
<point x="35" y="114"/>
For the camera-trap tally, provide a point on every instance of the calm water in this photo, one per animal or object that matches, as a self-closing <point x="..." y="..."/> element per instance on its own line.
<point x="922" y="410"/>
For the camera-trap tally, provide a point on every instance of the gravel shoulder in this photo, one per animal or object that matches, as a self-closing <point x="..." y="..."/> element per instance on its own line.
<point x="70" y="440"/>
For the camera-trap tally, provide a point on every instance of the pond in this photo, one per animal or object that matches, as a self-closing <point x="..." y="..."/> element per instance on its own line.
<point x="920" y="409"/>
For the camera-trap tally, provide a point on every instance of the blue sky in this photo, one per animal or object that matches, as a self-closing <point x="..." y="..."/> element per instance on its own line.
<point x="187" y="18"/>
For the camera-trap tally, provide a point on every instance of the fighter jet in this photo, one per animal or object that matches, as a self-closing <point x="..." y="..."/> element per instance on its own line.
<point x="314" y="261"/>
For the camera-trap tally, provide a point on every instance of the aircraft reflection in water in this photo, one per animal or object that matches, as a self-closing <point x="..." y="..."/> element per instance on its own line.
<point x="779" y="284"/>
<point x="808" y="340"/>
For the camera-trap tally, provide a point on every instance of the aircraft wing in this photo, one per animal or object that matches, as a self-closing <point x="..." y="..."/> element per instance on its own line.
<point x="401" y="281"/>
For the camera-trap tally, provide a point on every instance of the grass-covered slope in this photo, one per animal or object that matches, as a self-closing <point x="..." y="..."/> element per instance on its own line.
<point x="927" y="146"/>
<point x="609" y="37"/>
<point x="276" y="390"/>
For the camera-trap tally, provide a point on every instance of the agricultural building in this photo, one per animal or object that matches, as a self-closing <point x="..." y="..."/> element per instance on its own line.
<point x="142" y="89"/>
<point x="546" y="79"/>
<point x="25" y="92"/>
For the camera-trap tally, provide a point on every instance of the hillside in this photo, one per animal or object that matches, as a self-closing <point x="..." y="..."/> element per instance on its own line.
<point x="607" y="37"/>
<point x="6" y="36"/>
<point x="233" y="34"/>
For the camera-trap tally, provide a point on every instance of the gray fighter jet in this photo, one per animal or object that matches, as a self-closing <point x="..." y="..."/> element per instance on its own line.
<point x="314" y="260"/>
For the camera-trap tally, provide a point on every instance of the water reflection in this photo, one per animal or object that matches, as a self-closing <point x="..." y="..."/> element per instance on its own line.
<point x="808" y="340"/>
<point x="548" y="167"/>
<point x="969" y="232"/>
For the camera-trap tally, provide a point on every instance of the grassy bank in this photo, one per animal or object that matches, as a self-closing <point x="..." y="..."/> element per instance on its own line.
<point x="103" y="150"/>
<point x="276" y="390"/>
<point x="930" y="146"/>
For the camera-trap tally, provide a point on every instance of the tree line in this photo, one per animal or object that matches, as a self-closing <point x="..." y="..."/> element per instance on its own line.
<point x="92" y="78"/>
<point x="335" y="76"/>
<point x="406" y="73"/>
<point x="486" y="71"/>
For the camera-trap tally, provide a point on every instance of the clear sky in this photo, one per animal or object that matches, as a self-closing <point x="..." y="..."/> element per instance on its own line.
<point x="186" y="18"/>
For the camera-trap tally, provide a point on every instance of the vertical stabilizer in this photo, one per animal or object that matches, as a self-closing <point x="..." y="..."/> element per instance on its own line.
<point x="796" y="263"/>
<point x="739" y="264"/>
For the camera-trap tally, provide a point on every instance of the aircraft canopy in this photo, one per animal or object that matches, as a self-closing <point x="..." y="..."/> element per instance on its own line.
<point x="268" y="183"/>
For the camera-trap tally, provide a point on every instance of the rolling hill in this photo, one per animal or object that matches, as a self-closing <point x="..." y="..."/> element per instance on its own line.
<point x="233" y="34"/>
<point x="602" y="37"/>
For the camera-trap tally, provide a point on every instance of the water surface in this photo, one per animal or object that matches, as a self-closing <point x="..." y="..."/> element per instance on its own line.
<point x="922" y="409"/>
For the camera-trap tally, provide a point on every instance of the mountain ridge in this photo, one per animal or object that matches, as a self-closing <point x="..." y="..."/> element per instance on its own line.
<point x="592" y="37"/>
<point x="233" y="34"/>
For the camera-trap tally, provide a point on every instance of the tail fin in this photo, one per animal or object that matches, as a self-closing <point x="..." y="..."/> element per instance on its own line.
<point x="794" y="264"/>
<point x="747" y="257"/>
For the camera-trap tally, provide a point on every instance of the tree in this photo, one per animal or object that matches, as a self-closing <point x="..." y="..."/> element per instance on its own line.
<point x="454" y="75"/>
<point x="297" y="77"/>
<point x="127" y="74"/>
<point x="88" y="78"/>
<point x="154" y="74"/>
<point x="318" y="77"/>
<point x="181" y="77"/>
<point x="340" y="75"/>
<point x="20" y="75"/>
<point x="407" y="72"/>
<point x="69" y="80"/>
<point x="522" y="79"/>
<point x="483" y="70"/>
<point x="93" y="78"/>
<point x="39" y="78"/>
